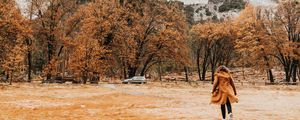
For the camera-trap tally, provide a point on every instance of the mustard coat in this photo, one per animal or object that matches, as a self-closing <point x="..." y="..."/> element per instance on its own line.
<point x="223" y="88"/>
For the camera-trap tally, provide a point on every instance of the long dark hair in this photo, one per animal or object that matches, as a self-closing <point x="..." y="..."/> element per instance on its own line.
<point x="222" y="68"/>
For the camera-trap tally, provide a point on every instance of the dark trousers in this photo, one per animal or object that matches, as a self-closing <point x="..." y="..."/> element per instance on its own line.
<point x="228" y="108"/>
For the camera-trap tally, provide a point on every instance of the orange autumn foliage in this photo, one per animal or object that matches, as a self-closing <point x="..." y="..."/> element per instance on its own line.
<point x="13" y="32"/>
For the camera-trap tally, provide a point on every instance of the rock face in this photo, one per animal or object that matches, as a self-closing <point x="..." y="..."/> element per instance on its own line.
<point x="215" y="10"/>
<point x="216" y="1"/>
<point x="203" y="10"/>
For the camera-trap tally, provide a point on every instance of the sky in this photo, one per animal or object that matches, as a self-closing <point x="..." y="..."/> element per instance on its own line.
<point x="21" y="3"/>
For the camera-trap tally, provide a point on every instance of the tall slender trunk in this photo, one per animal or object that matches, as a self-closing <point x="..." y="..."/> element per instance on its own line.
<point x="29" y="43"/>
<point x="11" y="77"/>
<point x="294" y="71"/>
<point x="204" y="69"/>
<point x="298" y="73"/>
<point x="86" y="69"/>
<point x="7" y="76"/>
<point x="50" y="47"/>
<point x="243" y="72"/>
<point x="146" y="65"/>
<point x="212" y="73"/>
<point x="198" y="64"/>
<point x="205" y="65"/>
<point x="131" y="71"/>
<point x="270" y="75"/>
<point x="124" y="72"/>
<point x="186" y="74"/>
<point x="29" y="65"/>
<point x="143" y="71"/>
<point x="287" y="74"/>
<point x="85" y="74"/>
<point x="160" y="71"/>
<point x="84" y="78"/>
<point x="269" y="70"/>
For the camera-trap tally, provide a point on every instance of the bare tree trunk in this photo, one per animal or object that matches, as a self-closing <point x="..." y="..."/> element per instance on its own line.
<point x="298" y="73"/>
<point x="294" y="73"/>
<point x="212" y="73"/>
<point x="50" y="52"/>
<point x="29" y="65"/>
<point x="29" y="43"/>
<point x="186" y="74"/>
<point x="124" y="72"/>
<point x="160" y="71"/>
<point x="287" y="74"/>
<point x="7" y="76"/>
<point x="205" y="65"/>
<point x="271" y="78"/>
<point x="11" y="78"/>
<point x="131" y="71"/>
<point x="269" y="70"/>
<point x="146" y="64"/>
<point x="204" y="69"/>
<point x="84" y="77"/>
<point x="243" y="70"/>
<point x="198" y="64"/>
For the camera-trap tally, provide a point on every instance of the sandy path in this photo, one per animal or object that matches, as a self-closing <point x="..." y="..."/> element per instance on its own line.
<point x="152" y="101"/>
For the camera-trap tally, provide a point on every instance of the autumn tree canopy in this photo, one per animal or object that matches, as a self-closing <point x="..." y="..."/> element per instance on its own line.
<point x="133" y="35"/>
<point x="271" y="34"/>
<point x="13" y="32"/>
<point x="87" y="39"/>
<point x="215" y="43"/>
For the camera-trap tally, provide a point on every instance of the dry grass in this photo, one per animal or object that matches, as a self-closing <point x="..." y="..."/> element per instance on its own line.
<point x="151" y="101"/>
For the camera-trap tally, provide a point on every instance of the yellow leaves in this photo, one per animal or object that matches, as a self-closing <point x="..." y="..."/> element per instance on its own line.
<point x="51" y="66"/>
<point x="264" y="33"/>
<point x="248" y="12"/>
<point x="13" y="31"/>
<point x="89" y="55"/>
<point x="14" y="59"/>
<point x="211" y="31"/>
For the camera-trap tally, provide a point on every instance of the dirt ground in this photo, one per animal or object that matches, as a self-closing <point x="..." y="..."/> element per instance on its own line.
<point x="143" y="102"/>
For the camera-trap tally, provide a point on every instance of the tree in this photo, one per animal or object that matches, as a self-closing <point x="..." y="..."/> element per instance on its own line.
<point x="87" y="58"/>
<point x="283" y="25"/>
<point x="153" y="31"/>
<point x="268" y="34"/>
<point x="50" y="27"/>
<point x="13" y="32"/>
<point x="288" y="17"/>
<point x="254" y="40"/>
<point x="90" y="51"/>
<point x="14" y="61"/>
<point x="216" y="42"/>
<point x="202" y="44"/>
<point x="30" y="14"/>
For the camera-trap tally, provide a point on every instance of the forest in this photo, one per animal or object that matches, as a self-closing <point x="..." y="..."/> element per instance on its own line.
<point x="97" y="39"/>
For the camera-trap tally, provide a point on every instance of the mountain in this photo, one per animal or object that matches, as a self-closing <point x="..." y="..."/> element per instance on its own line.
<point x="202" y="10"/>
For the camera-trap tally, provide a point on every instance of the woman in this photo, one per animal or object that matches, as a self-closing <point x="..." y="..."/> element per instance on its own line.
<point x="224" y="91"/>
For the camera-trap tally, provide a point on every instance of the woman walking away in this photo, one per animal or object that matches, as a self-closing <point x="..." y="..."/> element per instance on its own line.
<point x="224" y="92"/>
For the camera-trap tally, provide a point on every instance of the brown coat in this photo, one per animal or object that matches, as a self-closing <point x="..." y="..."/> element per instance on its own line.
<point x="223" y="88"/>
